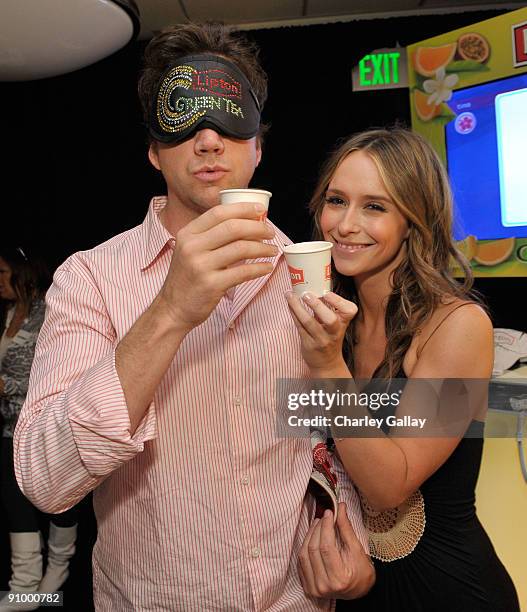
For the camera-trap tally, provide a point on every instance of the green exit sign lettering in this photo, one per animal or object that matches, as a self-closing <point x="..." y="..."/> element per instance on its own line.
<point x="381" y="69"/>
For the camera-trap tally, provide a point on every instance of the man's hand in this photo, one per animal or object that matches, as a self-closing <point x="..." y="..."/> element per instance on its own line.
<point x="331" y="571"/>
<point x="202" y="267"/>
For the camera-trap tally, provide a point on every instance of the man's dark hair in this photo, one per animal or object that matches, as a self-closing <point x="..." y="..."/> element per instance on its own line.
<point x="163" y="51"/>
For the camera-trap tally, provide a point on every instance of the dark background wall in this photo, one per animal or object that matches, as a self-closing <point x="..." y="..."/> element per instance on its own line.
<point x="75" y="171"/>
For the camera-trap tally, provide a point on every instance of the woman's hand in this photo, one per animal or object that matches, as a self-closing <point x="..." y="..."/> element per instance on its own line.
<point x="331" y="571"/>
<point x="322" y="335"/>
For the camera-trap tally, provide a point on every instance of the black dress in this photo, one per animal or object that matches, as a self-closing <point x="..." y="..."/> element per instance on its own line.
<point x="450" y="564"/>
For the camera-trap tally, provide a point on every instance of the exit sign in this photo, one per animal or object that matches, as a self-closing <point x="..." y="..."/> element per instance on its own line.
<point x="381" y="69"/>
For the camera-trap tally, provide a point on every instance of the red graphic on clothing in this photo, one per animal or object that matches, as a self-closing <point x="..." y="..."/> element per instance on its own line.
<point x="217" y="82"/>
<point x="322" y="463"/>
<point x="297" y="275"/>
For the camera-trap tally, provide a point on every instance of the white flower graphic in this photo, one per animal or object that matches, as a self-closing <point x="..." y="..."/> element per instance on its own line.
<point x="440" y="88"/>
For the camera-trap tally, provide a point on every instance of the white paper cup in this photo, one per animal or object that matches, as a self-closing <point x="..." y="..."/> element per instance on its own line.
<point x="233" y="196"/>
<point x="309" y="266"/>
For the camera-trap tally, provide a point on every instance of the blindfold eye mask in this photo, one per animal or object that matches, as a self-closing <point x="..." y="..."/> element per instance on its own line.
<point x="204" y="91"/>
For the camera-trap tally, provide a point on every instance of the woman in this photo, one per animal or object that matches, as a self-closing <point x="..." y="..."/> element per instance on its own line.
<point x="384" y="202"/>
<point x="23" y="282"/>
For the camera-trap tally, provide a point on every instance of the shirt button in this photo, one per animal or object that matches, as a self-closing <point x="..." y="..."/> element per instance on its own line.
<point x="256" y="552"/>
<point x="231" y="325"/>
<point x="245" y="480"/>
<point x="238" y="400"/>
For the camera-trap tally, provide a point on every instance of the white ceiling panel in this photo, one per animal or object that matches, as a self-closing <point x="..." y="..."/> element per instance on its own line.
<point x="156" y="14"/>
<point x="242" y="11"/>
<point x="352" y="7"/>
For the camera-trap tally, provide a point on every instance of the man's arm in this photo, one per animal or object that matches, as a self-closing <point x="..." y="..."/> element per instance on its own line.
<point x="200" y="273"/>
<point x="144" y="355"/>
<point x="89" y="408"/>
<point x="74" y="429"/>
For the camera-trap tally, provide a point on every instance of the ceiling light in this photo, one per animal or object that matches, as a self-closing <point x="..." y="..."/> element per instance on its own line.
<point x="44" y="38"/>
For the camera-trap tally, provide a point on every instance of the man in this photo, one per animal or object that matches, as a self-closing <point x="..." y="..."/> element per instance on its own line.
<point x="155" y="387"/>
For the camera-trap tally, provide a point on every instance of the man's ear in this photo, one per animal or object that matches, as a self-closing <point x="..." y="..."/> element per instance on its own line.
<point x="153" y="156"/>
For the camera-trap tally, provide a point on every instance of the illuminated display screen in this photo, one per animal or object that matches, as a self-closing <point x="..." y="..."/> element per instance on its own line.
<point x="485" y="148"/>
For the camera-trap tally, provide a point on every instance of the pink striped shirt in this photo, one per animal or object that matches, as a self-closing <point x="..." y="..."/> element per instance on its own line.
<point x="204" y="507"/>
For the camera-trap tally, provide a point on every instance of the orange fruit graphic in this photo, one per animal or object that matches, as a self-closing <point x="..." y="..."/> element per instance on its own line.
<point x="425" y="111"/>
<point x="494" y="252"/>
<point x="468" y="246"/>
<point x="428" y="60"/>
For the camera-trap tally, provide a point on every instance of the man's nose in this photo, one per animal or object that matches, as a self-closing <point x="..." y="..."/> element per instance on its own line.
<point x="208" y="140"/>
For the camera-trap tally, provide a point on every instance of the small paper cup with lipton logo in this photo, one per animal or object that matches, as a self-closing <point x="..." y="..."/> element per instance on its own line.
<point x="233" y="196"/>
<point x="309" y="266"/>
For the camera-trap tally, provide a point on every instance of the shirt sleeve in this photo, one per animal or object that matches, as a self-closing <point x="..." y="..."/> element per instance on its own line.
<point x="74" y="428"/>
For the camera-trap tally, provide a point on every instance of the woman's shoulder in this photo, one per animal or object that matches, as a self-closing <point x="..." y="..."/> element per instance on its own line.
<point x="455" y="326"/>
<point x="455" y="310"/>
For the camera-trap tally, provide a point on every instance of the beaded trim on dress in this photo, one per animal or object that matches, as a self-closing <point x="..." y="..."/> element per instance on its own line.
<point x="394" y="534"/>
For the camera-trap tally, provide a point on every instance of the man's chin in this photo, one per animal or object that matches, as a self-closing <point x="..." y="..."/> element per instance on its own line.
<point x="206" y="201"/>
<point x="209" y="195"/>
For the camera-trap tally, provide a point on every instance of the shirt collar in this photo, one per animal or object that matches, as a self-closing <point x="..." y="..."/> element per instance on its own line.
<point x="155" y="235"/>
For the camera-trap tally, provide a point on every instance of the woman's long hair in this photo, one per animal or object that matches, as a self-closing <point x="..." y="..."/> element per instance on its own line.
<point x="30" y="276"/>
<point x="416" y="181"/>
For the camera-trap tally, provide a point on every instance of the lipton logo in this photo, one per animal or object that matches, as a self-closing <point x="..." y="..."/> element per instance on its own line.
<point x="217" y="82"/>
<point x="519" y="44"/>
<point x="297" y="275"/>
<point x="328" y="272"/>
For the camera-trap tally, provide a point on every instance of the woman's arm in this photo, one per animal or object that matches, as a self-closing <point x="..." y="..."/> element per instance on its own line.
<point x="386" y="469"/>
